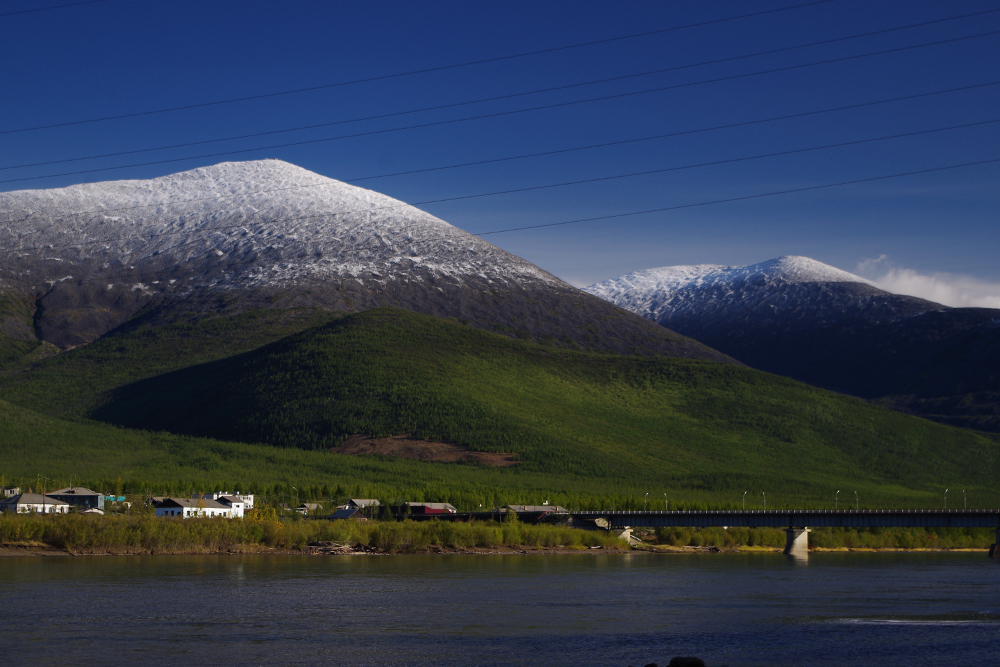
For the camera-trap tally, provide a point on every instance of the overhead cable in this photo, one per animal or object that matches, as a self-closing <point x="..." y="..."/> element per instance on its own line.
<point x="420" y="71"/>
<point x="501" y="113"/>
<point x="530" y="188"/>
<point x="554" y="152"/>
<point x="45" y="9"/>
<point x="491" y="99"/>
<point x="644" y="212"/>
<point x="745" y="197"/>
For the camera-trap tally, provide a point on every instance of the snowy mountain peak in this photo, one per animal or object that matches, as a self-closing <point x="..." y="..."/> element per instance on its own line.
<point x="245" y="236"/>
<point x="270" y="223"/>
<point x="653" y="292"/>
<point x="638" y="290"/>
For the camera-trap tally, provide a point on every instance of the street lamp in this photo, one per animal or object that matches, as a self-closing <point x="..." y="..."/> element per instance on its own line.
<point x="666" y="506"/>
<point x="744" y="501"/>
<point x="965" y="503"/>
<point x="857" y="503"/>
<point x="296" y="498"/>
<point x="38" y="483"/>
<point x="644" y="501"/>
<point x="765" y="500"/>
<point x="836" y="499"/>
<point x="946" y="498"/>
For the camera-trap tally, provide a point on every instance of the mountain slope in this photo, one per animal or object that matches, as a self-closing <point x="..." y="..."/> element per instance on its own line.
<point x="242" y="236"/>
<point x="797" y="317"/>
<point x="651" y="421"/>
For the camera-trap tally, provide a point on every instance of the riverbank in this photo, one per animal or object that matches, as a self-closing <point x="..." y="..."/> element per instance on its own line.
<point x="667" y="549"/>
<point x="20" y="549"/>
<point x="145" y="534"/>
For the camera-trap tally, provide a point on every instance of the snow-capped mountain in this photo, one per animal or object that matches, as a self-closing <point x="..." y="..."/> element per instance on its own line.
<point x="290" y="223"/>
<point x="263" y="233"/>
<point x="798" y="317"/>
<point x="788" y="288"/>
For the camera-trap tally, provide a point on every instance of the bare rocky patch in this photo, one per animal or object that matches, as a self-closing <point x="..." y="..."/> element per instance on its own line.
<point x="405" y="446"/>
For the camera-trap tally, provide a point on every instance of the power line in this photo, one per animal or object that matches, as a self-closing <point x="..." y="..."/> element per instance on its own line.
<point x="553" y="152"/>
<point x="45" y="9"/>
<point x="655" y="210"/>
<point x="745" y="197"/>
<point x="504" y="113"/>
<point x="500" y="97"/>
<point x="536" y="187"/>
<point x="413" y="72"/>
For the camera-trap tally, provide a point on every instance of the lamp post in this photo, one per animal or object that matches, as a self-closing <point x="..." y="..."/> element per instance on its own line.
<point x="38" y="482"/>
<point x="296" y="498"/>
<point x="666" y="506"/>
<point x="965" y="502"/>
<point x="836" y="500"/>
<point x="644" y="501"/>
<point x="946" y="498"/>
<point x="765" y="500"/>
<point x="857" y="503"/>
<point x="744" y="501"/>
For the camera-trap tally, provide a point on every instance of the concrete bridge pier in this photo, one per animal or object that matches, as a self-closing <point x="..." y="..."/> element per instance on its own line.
<point x="797" y="542"/>
<point x="995" y="549"/>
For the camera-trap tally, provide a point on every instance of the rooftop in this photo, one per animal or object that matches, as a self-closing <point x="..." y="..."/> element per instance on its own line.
<point x="31" y="499"/>
<point x="200" y="503"/>
<point x="74" y="491"/>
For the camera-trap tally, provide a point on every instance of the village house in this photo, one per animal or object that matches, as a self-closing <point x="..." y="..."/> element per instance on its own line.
<point x="225" y="506"/>
<point x="362" y="503"/>
<point x="428" y="508"/>
<point x="10" y="491"/>
<point x="308" y="508"/>
<point x="28" y="503"/>
<point x="80" y="497"/>
<point x="352" y="513"/>
<point x="245" y="498"/>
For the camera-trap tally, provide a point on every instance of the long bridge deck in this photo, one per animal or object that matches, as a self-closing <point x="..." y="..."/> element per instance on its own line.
<point x="789" y="518"/>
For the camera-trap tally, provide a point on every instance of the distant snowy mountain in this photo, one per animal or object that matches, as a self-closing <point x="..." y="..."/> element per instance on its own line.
<point x="798" y="317"/>
<point x="793" y="287"/>
<point x="243" y="235"/>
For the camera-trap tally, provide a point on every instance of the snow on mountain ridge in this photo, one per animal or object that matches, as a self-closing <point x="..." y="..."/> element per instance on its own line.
<point x="650" y="292"/>
<point x="269" y="221"/>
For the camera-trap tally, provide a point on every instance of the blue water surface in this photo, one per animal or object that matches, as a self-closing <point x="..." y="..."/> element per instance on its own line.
<point x="632" y="609"/>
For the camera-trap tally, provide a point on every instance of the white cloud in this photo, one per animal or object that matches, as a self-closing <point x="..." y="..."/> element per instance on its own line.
<point x="947" y="288"/>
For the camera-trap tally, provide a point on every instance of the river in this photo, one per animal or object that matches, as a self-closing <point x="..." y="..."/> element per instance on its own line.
<point x="632" y="609"/>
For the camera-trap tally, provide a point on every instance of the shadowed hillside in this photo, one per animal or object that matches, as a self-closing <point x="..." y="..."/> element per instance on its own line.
<point x="387" y="372"/>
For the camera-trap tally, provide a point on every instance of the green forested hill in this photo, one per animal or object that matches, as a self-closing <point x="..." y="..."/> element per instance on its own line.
<point x="607" y="423"/>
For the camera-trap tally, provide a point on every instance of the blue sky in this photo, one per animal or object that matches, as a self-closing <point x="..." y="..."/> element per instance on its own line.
<point x="125" y="56"/>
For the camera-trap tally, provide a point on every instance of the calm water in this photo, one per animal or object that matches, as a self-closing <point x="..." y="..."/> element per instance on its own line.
<point x="729" y="609"/>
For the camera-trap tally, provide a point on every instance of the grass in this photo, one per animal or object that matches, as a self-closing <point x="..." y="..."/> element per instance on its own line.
<point x="590" y="430"/>
<point x="145" y="534"/>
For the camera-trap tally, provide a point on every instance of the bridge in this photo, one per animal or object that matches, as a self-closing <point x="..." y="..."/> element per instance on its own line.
<point x="797" y="522"/>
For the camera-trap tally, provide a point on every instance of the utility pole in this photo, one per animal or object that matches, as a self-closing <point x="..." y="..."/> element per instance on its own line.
<point x="39" y="483"/>
<point x="946" y="498"/>
<point x="765" y="500"/>
<point x="836" y="499"/>
<point x="644" y="501"/>
<point x="744" y="501"/>
<point x="857" y="503"/>
<point x="666" y="506"/>
<point x="965" y="503"/>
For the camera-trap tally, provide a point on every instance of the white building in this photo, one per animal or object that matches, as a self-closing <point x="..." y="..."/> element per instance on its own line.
<point x="26" y="503"/>
<point x="245" y="498"/>
<point x="225" y="506"/>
